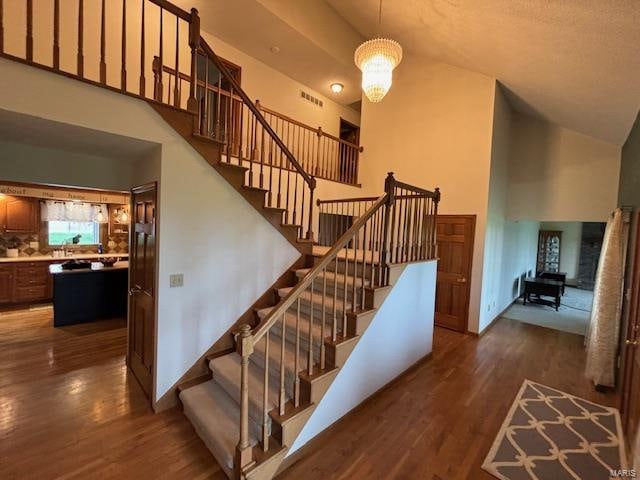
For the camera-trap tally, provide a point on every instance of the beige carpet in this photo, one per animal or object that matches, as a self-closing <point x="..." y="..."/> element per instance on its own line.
<point x="552" y="435"/>
<point x="573" y="316"/>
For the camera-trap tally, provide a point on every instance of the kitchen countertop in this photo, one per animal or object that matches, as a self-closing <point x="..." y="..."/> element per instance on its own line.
<point x="47" y="258"/>
<point x="57" y="269"/>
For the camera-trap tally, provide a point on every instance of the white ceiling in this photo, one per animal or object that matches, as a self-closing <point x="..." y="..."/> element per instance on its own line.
<point x="575" y="63"/>
<point x="97" y="145"/>
<point x="315" y="44"/>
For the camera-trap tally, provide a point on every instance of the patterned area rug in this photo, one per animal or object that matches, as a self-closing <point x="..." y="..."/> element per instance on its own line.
<point x="551" y="435"/>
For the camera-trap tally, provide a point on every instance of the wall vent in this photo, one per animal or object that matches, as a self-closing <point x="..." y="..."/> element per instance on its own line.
<point x="311" y="98"/>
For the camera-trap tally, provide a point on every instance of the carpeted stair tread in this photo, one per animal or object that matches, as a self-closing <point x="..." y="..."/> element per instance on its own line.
<point x="215" y="417"/>
<point x="331" y="279"/>
<point x="226" y="372"/>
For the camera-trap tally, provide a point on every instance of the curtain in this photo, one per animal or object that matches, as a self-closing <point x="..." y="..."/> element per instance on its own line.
<point x="604" y="329"/>
<point x="74" y="212"/>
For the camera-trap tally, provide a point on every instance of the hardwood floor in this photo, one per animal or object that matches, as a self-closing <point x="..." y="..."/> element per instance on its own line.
<point x="438" y="421"/>
<point x="69" y="410"/>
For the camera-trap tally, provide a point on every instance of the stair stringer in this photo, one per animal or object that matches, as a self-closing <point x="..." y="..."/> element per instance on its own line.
<point x="321" y="414"/>
<point x="211" y="151"/>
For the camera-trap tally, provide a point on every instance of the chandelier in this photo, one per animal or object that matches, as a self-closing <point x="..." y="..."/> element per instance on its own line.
<point x="376" y="59"/>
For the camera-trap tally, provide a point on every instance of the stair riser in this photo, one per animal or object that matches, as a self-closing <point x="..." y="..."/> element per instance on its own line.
<point x="330" y="290"/>
<point x="305" y="309"/>
<point x="368" y="269"/>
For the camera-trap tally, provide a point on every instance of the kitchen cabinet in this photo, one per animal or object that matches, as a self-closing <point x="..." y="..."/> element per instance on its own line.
<point x="6" y="284"/>
<point x="20" y="215"/>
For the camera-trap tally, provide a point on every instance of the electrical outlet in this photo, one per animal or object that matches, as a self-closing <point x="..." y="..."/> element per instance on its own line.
<point x="176" y="280"/>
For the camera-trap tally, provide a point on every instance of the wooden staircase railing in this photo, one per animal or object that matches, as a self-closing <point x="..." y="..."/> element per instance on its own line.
<point x="250" y="141"/>
<point x="124" y="62"/>
<point x="322" y="154"/>
<point x="399" y="226"/>
<point x="161" y="34"/>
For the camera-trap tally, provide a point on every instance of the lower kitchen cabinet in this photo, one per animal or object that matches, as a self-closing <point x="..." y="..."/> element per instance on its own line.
<point x="6" y="283"/>
<point x="26" y="282"/>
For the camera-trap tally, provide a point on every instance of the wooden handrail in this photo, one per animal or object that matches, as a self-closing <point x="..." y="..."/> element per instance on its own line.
<point x="260" y="118"/>
<point x="428" y="193"/>
<point x="170" y="7"/>
<point x="347" y="200"/>
<point x="317" y="130"/>
<point x="270" y="320"/>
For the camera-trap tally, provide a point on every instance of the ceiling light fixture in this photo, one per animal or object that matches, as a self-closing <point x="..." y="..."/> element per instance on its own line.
<point x="336" y="87"/>
<point x="376" y="59"/>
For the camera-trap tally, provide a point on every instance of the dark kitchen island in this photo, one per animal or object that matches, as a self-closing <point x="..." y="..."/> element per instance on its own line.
<point x="87" y="295"/>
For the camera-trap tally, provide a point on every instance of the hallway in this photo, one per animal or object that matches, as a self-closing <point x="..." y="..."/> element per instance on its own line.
<point x="69" y="410"/>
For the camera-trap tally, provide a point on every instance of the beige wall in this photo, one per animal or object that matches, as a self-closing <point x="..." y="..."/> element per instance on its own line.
<point x="557" y="174"/>
<point x="434" y="129"/>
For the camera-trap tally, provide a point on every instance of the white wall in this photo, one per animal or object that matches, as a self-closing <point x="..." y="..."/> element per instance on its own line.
<point x="434" y="129"/>
<point x="201" y="216"/>
<point x="569" y="246"/>
<point x="29" y="163"/>
<point x="557" y="174"/>
<point x="494" y="243"/>
<point x="400" y="334"/>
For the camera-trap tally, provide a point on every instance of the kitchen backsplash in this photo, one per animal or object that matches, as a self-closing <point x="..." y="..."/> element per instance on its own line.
<point x="119" y="244"/>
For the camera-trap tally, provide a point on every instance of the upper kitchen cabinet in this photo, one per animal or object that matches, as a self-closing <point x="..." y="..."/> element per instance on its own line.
<point x="19" y="215"/>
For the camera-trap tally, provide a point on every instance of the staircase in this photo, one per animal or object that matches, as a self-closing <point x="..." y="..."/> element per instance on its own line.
<point x="255" y="397"/>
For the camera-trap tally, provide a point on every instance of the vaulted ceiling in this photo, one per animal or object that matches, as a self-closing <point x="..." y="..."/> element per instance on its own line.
<point x="575" y="63"/>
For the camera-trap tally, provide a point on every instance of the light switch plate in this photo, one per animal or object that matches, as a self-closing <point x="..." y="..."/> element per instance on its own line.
<point x="176" y="280"/>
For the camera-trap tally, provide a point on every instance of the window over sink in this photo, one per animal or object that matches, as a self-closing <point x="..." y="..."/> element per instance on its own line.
<point x="61" y="232"/>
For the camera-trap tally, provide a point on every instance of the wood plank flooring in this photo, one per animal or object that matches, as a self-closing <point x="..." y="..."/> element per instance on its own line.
<point x="438" y="421"/>
<point x="68" y="409"/>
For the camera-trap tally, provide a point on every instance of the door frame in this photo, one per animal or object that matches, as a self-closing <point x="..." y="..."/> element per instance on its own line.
<point x="141" y="189"/>
<point x="473" y="218"/>
<point x="628" y="332"/>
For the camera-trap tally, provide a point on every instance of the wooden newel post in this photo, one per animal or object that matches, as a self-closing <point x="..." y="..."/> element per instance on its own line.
<point x="389" y="189"/>
<point x="194" y="44"/>
<point x="434" y="230"/>
<point x="312" y="189"/>
<point x="244" y="452"/>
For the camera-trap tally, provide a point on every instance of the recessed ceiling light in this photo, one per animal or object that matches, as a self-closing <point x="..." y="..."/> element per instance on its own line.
<point x="336" y="87"/>
<point x="275" y="49"/>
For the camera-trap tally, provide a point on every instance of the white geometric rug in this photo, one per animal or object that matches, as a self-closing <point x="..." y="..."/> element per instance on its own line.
<point x="552" y="435"/>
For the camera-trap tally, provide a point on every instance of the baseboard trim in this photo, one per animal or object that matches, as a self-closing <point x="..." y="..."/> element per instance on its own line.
<point x="493" y="322"/>
<point x="312" y="444"/>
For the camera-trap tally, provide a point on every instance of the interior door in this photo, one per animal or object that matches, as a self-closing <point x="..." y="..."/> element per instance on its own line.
<point x="142" y="272"/>
<point x="455" y="235"/>
<point x="630" y="398"/>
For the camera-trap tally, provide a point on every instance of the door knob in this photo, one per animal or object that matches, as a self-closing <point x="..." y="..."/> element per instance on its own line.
<point x="461" y="280"/>
<point x="632" y="343"/>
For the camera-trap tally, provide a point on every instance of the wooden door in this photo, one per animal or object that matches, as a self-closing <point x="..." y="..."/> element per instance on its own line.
<point x="630" y="398"/>
<point x="21" y="215"/>
<point x="455" y="234"/>
<point x="142" y="271"/>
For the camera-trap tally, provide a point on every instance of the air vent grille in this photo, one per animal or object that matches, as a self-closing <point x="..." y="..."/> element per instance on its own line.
<point x="310" y="98"/>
